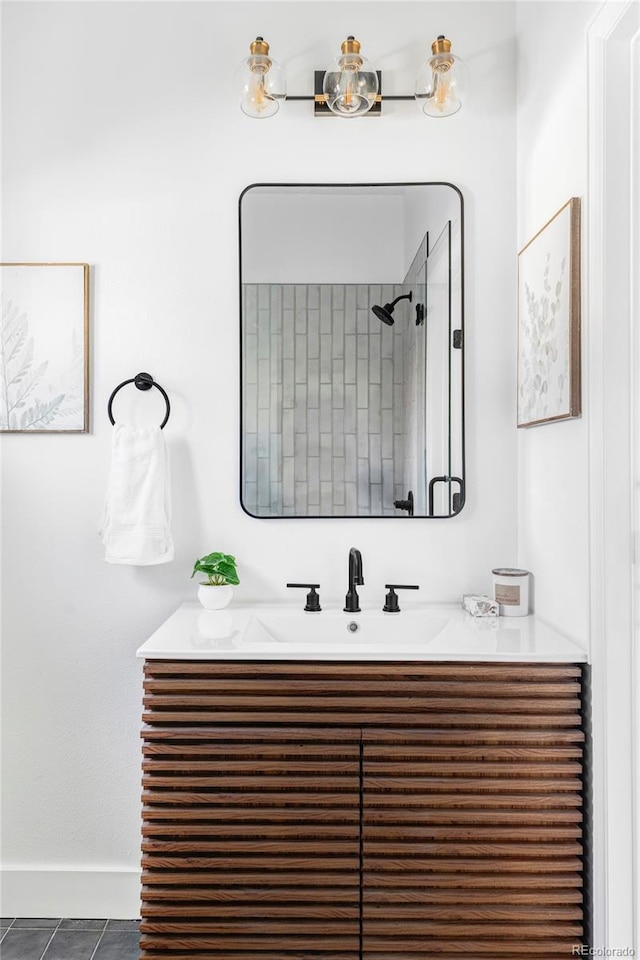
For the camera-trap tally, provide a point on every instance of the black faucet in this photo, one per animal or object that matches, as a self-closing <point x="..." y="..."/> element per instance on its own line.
<point x="352" y="601"/>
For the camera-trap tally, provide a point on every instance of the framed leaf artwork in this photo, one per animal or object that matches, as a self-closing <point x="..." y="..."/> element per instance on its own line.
<point x="549" y="321"/>
<point x="44" y="348"/>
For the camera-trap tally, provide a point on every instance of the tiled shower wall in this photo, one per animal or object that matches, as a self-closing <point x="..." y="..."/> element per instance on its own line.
<point x="324" y="399"/>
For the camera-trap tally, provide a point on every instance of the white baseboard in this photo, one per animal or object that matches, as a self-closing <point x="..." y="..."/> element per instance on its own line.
<point x="113" y="894"/>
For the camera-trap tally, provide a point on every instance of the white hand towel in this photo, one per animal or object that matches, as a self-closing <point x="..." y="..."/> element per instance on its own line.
<point x="137" y="510"/>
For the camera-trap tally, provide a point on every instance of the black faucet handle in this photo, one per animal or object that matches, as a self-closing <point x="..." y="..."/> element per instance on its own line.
<point x="313" y="600"/>
<point x="391" y="604"/>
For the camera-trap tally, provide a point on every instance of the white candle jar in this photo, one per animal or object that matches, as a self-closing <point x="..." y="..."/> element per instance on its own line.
<point x="511" y="591"/>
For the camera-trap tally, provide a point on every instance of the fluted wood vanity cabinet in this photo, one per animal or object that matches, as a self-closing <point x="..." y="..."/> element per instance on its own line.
<point x="295" y="811"/>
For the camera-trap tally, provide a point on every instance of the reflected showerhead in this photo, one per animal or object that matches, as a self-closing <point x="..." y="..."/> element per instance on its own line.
<point x="386" y="313"/>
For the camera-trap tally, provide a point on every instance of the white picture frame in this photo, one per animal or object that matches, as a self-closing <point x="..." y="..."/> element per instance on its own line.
<point x="549" y="321"/>
<point x="44" y="348"/>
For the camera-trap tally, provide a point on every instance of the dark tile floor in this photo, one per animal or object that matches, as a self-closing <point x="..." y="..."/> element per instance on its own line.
<point x="53" y="939"/>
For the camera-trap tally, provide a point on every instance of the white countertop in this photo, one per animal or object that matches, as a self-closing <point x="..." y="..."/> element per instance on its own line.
<point x="419" y="632"/>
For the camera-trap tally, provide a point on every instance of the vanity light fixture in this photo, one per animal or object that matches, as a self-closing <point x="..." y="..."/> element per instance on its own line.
<point x="263" y="82"/>
<point x="442" y="82"/>
<point x="351" y="87"/>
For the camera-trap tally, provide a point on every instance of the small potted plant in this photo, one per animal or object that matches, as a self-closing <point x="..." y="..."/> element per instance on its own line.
<point x="216" y="591"/>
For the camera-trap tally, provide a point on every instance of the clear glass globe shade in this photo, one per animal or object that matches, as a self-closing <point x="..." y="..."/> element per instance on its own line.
<point x="262" y="85"/>
<point x="442" y="85"/>
<point x="350" y="86"/>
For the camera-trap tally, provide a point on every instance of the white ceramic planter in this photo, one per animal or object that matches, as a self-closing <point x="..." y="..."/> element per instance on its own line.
<point x="214" y="598"/>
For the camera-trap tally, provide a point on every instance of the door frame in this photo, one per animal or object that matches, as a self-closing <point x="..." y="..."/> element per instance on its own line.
<point x="611" y="358"/>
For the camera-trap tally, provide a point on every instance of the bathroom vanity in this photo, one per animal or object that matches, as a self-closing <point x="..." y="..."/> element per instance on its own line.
<point x="305" y="797"/>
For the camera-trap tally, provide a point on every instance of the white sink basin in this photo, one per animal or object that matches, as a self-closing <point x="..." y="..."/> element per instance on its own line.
<point x="420" y="632"/>
<point x="334" y="627"/>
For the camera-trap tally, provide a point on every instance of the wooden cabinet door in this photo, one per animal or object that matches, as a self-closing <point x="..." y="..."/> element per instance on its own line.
<point x="251" y="833"/>
<point x="472" y="824"/>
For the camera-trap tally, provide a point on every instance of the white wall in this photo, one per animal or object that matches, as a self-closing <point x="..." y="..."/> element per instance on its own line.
<point x="553" y="533"/>
<point x="124" y="146"/>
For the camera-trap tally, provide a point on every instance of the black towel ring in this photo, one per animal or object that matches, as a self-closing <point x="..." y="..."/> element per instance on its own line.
<point x="143" y="381"/>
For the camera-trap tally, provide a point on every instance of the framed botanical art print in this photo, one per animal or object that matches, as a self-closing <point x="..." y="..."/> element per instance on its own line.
<point x="549" y="321"/>
<point x="44" y="348"/>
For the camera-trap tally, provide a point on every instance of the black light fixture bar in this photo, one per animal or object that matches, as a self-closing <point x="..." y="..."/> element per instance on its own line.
<point x="322" y="110"/>
<point x="380" y="98"/>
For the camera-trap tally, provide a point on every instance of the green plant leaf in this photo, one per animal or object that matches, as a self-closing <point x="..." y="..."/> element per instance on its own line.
<point x="219" y="567"/>
<point x="228" y="571"/>
<point x="200" y="567"/>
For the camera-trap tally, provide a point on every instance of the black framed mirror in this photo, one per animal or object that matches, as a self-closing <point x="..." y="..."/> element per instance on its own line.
<point x="352" y="350"/>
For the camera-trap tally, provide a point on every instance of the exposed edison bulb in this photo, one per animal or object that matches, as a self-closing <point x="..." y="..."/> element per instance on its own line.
<point x="257" y="101"/>
<point x="263" y="82"/>
<point x="442" y="83"/>
<point x="350" y="84"/>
